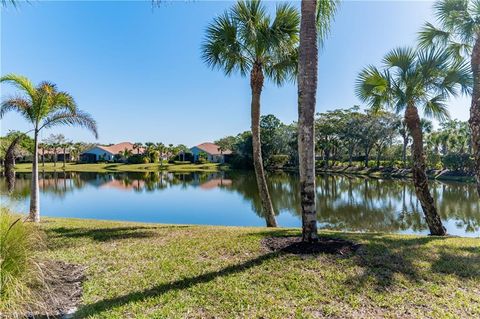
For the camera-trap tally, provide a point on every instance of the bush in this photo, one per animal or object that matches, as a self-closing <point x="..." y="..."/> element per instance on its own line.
<point x="458" y="162"/>
<point x="202" y="160"/>
<point x="138" y="159"/>
<point x="18" y="268"/>
<point x="278" y="161"/>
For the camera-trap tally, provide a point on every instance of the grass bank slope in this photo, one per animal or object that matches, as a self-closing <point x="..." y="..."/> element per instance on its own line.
<point x="165" y="271"/>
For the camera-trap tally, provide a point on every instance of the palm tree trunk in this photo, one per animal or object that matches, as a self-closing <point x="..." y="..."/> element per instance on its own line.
<point x="366" y="156"/>
<point x="475" y="110"/>
<point x="35" y="191"/>
<point x="256" y="84"/>
<point x="307" y="89"/>
<point x="420" y="179"/>
<point x="404" y="150"/>
<point x="350" y="156"/>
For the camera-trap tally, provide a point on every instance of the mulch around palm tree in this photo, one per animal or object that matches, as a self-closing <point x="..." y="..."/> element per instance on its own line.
<point x="295" y="245"/>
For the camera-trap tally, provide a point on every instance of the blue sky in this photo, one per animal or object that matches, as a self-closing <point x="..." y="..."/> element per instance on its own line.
<point x="139" y="71"/>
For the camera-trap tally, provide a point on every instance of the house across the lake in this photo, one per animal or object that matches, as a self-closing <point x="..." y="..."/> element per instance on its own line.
<point x="107" y="153"/>
<point x="211" y="151"/>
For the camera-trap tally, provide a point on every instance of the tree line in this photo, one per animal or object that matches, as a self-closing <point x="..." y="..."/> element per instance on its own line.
<point x="352" y="137"/>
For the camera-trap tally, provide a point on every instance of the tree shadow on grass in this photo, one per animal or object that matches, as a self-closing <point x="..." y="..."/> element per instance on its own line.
<point x="466" y="265"/>
<point x="109" y="234"/>
<point x="383" y="258"/>
<point x="107" y="304"/>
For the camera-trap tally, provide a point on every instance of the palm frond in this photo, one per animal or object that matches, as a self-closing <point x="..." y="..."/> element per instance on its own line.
<point x="22" y="83"/>
<point x="459" y="75"/>
<point x="326" y="10"/>
<point x="283" y="67"/>
<point x="400" y="58"/>
<point x="430" y="36"/>
<point x="222" y="49"/>
<point x="454" y="15"/>
<point x="373" y="87"/>
<point x="18" y="104"/>
<point x="436" y="108"/>
<point x="79" y="118"/>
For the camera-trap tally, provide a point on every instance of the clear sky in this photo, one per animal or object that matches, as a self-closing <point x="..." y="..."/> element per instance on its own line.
<point x="139" y="71"/>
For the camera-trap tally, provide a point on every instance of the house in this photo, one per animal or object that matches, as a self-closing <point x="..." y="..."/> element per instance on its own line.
<point x="108" y="153"/>
<point x="211" y="151"/>
<point x="59" y="152"/>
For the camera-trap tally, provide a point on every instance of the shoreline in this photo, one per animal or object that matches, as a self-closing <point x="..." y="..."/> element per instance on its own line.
<point x="440" y="175"/>
<point x="374" y="172"/>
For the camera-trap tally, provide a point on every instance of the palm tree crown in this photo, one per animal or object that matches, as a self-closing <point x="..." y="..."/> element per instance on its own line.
<point x="245" y="36"/>
<point x="459" y="27"/>
<point x="44" y="106"/>
<point x="424" y="78"/>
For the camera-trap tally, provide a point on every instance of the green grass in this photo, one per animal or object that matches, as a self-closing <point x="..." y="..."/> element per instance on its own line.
<point x="118" y="167"/>
<point x="164" y="271"/>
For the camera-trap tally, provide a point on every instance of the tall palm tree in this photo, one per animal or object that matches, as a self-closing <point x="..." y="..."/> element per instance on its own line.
<point x="314" y="15"/>
<point x="410" y="79"/>
<point x="43" y="106"/>
<point x="137" y="146"/>
<point x="43" y="146"/>
<point x="247" y="41"/>
<point x="459" y="33"/>
<point x="66" y="145"/>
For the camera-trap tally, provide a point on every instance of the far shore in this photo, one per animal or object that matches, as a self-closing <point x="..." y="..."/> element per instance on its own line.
<point x="373" y="172"/>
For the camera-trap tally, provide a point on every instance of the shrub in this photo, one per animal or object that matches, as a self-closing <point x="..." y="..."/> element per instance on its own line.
<point x="278" y="161"/>
<point x="138" y="159"/>
<point x="18" y="268"/>
<point x="458" y="162"/>
<point x="202" y="160"/>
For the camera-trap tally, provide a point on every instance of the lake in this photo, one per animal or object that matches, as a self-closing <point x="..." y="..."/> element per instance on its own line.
<point x="230" y="198"/>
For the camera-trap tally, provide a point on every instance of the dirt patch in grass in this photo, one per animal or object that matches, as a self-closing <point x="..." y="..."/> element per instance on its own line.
<point x="61" y="292"/>
<point x="295" y="245"/>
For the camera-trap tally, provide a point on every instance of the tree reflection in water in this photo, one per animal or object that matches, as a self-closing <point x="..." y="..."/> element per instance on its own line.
<point x="344" y="202"/>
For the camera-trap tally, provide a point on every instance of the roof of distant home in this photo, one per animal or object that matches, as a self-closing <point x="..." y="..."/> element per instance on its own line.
<point x="120" y="147"/>
<point x="213" y="149"/>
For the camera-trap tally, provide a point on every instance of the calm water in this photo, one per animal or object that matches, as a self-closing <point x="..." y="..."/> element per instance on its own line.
<point x="230" y="198"/>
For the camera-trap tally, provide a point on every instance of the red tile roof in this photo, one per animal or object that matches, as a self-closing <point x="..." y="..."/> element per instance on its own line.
<point x="212" y="149"/>
<point x="120" y="147"/>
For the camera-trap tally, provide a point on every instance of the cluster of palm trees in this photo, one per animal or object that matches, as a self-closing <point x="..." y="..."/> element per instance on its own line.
<point x="50" y="149"/>
<point x="246" y="40"/>
<point x="452" y="137"/>
<point x="156" y="152"/>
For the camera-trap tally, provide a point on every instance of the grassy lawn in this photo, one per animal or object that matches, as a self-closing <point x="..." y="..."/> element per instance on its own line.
<point x="117" y="167"/>
<point x="164" y="271"/>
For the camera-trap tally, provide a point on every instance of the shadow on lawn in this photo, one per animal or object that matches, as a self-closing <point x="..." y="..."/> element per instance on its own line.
<point x="181" y="284"/>
<point x="109" y="234"/>
<point x="380" y="257"/>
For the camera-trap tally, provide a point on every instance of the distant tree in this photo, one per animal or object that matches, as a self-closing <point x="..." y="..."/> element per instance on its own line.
<point x="44" y="107"/>
<point x="137" y="146"/>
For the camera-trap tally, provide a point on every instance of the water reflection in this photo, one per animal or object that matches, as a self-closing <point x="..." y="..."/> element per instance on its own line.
<point x="344" y="203"/>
